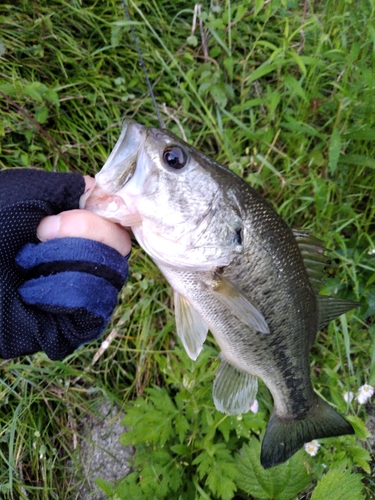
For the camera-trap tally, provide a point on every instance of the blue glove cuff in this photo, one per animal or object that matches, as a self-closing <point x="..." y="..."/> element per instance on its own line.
<point x="73" y="254"/>
<point x="69" y="291"/>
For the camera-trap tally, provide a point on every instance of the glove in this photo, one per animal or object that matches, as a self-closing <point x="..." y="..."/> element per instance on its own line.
<point x="56" y="295"/>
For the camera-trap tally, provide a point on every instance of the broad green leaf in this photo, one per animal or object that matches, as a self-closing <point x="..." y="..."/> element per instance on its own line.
<point x="35" y="90"/>
<point x="263" y="70"/>
<point x="52" y="96"/>
<point x="182" y="426"/>
<point x="358" y="160"/>
<point x="129" y="488"/>
<point x="360" y="428"/>
<point x="295" y="86"/>
<point x="156" y="415"/>
<point x="229" y="66"/>
<point x="8" y="89"/>
<point x="274" y="102"/>
<point x="259" y="4"/>
<point x="363" y="134"/>
<point x="361" y="456"/>
<point x="192" y="40"/>
<point x="116" y="33"/>
<point x="204" y="87"/>
<point x="105" y="486"/>
<point x="181" y="449"/>
<point x="354" y="52"/>
<point x="215" y="51"/>
<point x="339" y="484"/>
<point x="241" y="11"/>
<point x="282" y="482"/>
<point x="217" y="466"/>
<point x="225" y="427"/>
<point x="41" y="115"/>
<point x="218" y="93"/>
<point x="371" y="32"/>
<point x="334" y="150"/>
<point x="299" y="61"/>
<point x="161" y="475"/>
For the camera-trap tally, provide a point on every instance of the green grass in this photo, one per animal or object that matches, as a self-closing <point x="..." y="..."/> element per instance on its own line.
<point x="282" y="93"/>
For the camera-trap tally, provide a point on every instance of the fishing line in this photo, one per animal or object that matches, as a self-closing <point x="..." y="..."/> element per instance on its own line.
<point x="160" y="120"/>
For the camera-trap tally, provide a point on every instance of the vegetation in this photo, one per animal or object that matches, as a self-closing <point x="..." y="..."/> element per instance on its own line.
<point x="282" y="93"/>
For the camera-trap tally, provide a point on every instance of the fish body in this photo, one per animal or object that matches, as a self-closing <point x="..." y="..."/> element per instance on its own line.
<point x="236" y="269"/>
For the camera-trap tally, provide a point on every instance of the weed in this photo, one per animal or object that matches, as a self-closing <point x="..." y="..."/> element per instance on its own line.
<point x="282" y="94"/>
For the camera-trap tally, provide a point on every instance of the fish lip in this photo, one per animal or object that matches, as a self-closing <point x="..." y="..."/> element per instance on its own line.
<point x="122" y="161"/>
<point x="103" y="197"/>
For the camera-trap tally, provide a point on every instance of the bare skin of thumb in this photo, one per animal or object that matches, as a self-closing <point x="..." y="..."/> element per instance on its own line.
<point x="83" y="224"/>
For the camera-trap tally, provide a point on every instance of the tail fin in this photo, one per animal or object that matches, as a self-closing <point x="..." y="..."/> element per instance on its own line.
<point x="285" y="436"/>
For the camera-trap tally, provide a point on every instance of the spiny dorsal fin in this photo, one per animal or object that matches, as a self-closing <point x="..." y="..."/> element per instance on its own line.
<point x="234" y="390"/>
<point x="332" y="307"/>
<point x="315" y="261"/>
<point x="313" y="256"/>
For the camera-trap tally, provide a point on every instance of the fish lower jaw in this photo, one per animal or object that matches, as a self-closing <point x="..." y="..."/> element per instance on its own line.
<point x="110" y="207"/>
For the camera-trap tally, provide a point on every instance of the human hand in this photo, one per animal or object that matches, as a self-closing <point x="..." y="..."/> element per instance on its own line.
<point x="84" y="224"/>
<point x="59" y="293"/>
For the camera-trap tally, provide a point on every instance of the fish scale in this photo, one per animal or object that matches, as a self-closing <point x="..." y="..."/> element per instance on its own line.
<point x="236" y="269"/>
<point x="292" y="312"/>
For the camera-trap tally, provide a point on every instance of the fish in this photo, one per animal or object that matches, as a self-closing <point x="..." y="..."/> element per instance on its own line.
<point x="236" y="270"/>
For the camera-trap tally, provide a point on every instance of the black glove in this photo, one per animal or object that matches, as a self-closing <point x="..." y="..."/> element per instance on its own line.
<point x="57" y="295"/>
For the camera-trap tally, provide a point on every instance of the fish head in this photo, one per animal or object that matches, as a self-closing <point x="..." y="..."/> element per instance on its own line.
<point x="181" y="210"/>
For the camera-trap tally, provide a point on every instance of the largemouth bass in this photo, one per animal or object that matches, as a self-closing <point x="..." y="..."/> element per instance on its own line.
<point x="236" y="269"/>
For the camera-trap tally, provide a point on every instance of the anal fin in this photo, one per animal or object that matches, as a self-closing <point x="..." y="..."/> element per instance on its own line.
<point x="234" y="390"/>
<point x="332" y="307"/>
<point x="191" y="328"/>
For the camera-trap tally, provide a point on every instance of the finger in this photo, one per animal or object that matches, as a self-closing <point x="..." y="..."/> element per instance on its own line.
<point x="84" y="224"/>
<point x="90" y="181"/>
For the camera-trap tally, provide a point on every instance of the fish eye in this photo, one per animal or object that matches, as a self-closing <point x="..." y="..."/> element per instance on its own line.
<point x="174" y="157"/>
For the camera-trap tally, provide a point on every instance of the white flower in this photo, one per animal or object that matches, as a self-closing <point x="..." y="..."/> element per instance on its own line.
<point x="255" y="406"/>
<point x="105" y="345"/>
<point x="312" y="447"/>
<point x="348" y="397"/>
<point x="365" y="392"/>
<point x="371" y="251"/>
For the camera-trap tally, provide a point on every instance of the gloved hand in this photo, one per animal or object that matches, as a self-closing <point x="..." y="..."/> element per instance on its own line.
<point x="58" y="294"/>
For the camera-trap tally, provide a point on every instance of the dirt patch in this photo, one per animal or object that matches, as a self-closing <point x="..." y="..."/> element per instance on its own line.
<point x="101" y="454"/>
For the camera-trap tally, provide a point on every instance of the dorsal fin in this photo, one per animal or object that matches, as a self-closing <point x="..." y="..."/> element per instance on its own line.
<point x="313" y="256"/>
<point x="315" y="261"/>
<point x="332" y="307"/>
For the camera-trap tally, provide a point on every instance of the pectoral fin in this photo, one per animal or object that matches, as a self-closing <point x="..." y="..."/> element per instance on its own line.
<point x="239" y="303"/>
<point x="234" y="390"/>
<point x="191" y="328"/>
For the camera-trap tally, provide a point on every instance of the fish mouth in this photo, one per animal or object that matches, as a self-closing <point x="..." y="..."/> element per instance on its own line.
<point x="121" y="163"/>
<point x="103" y="199"/>
<point x="110" y="207"/>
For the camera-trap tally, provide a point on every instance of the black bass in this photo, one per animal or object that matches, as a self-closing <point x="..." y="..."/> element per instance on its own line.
<point x="236" y="269"/>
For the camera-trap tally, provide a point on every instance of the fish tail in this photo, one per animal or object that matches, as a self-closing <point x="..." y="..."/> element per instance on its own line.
<point x="285" y="436"/>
